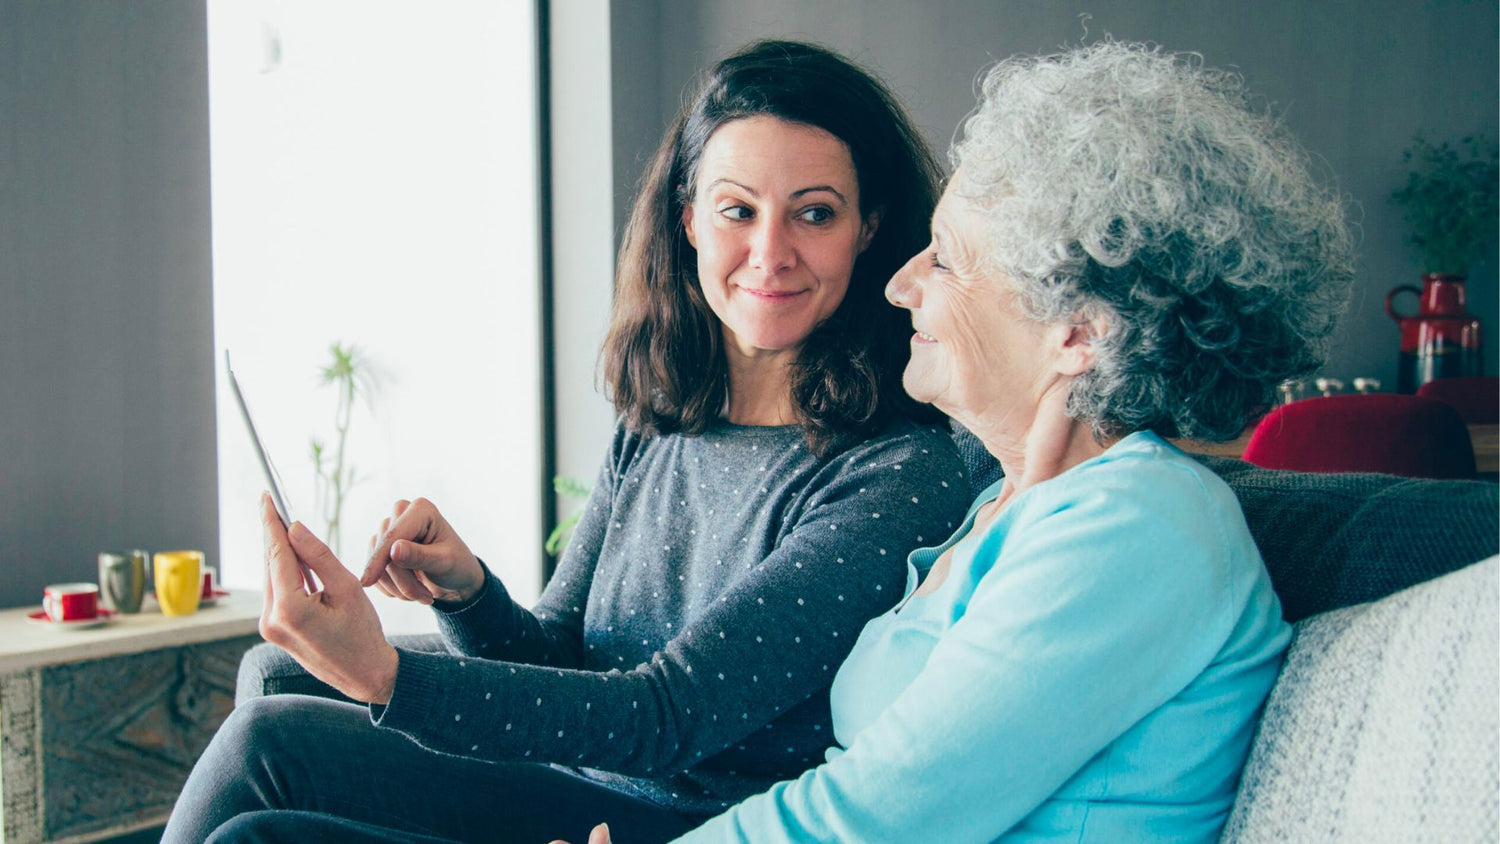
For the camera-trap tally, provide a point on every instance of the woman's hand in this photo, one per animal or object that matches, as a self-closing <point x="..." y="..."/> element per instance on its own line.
<point x="599" y="835"/>
<point x="417" y="557"/>
<point x="333" y="632"/>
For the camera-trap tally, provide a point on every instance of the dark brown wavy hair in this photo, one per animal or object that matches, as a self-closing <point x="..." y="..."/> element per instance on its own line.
<point x="663" y="361"/>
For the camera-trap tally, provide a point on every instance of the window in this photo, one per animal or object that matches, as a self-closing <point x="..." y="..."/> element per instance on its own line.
<point x="374" y="183"/>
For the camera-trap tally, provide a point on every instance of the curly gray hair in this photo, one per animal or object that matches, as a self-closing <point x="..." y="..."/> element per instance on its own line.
<point x="1139" y="186"/>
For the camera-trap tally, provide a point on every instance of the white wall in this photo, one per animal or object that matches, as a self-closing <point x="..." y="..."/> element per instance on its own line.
<point x="373" y="169"/>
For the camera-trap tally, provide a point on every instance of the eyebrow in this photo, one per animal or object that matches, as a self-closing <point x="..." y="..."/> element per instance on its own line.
<point x="798" y="194"/>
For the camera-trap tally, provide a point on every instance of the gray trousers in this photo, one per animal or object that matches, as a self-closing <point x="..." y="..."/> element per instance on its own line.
<point x="296" y="762"/>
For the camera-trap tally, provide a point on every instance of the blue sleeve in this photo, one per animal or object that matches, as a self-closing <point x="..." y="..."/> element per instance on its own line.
<point x="1090" y="610"/>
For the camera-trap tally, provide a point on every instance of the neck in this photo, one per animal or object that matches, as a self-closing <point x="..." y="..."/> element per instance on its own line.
<point x="760" y="390"/>
<point x="1038" y="448"/>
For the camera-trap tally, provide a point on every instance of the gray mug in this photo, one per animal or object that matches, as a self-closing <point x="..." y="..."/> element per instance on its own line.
<point x="122" y="580"/>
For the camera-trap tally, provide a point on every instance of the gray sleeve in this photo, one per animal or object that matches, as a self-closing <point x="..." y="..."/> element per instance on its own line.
<point x="767" y="644"/>
<point x="495" y="627"/>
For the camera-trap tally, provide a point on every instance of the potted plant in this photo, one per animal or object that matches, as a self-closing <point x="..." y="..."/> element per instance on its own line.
<point x="1450" y="204"/>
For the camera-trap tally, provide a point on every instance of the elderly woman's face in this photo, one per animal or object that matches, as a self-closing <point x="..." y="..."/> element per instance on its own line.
<point x="776" y="223"/>
<point x="975" y="353"/>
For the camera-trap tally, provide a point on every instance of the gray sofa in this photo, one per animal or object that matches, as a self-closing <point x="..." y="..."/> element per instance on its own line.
<point x="1383" y="724"/>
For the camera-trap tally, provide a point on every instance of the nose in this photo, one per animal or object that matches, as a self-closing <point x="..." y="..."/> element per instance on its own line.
<point x="902" y="290"/>
<point x="772" y="248"/>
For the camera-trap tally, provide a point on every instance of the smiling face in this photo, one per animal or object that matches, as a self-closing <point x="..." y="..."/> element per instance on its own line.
<point x="975" y="354"/>
<point x="776" y="224"/>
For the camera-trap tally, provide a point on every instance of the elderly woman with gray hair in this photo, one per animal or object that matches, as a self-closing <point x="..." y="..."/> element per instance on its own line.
<point x="1126" y="254"/>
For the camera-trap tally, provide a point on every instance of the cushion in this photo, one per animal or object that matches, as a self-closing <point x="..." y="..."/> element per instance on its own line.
<point x="1383" y="724"/>
<point x="1332" y="540"/>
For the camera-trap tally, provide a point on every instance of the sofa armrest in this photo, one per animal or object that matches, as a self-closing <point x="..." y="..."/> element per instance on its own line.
<point x="1383" y="725"/>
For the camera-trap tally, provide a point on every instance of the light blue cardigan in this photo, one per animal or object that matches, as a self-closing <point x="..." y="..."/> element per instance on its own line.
<point x="1091" y="670"/>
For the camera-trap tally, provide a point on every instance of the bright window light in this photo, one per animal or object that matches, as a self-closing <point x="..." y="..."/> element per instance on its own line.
<point x="374" y="183"/>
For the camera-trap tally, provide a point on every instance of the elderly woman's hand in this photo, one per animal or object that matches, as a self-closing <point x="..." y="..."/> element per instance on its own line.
<point x="599" y="835"/>
<point x="334" y="631"/>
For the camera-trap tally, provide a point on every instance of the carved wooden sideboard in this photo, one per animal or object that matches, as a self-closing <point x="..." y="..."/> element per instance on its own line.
<point x="99" y="728"/>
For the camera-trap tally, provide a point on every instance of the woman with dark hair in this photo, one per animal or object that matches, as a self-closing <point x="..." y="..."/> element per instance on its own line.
<point x="664" y="359"/>
<point x="679" y="659"/>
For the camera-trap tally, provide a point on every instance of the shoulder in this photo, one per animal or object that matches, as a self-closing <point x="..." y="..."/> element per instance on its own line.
<point x="914" y="447"/>
<point x="1144" y="508"/>
<point x="1146" y="475"/>
<point x="629" y="446"/>
<point x="905" y="464"/>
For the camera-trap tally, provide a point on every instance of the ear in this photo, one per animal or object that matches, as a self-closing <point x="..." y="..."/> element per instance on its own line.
<point x="687" y="224"/>
<point x="867" y="230"/>
<point x="1075" y="343"/>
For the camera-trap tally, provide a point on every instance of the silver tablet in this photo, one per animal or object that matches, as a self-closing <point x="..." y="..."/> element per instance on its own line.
<point x="273" y="480"/>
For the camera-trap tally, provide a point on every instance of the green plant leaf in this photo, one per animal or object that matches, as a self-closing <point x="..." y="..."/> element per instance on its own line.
<point x="1450" y="202"/>
<point x="571" y="487"/>
<point x="558" y="539"/>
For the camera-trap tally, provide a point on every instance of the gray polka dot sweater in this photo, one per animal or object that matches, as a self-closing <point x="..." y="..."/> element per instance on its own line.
<point x="684" y="648"/>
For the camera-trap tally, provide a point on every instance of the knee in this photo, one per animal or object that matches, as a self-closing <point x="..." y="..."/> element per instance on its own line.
<point x="266" y="669"/>
<point x="262" y="827"/>
<point x="261" y="669"/>
<point x="248" y="729"/>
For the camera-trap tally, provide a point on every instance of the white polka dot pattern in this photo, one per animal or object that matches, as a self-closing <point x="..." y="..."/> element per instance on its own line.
<point x="729" y="599"/>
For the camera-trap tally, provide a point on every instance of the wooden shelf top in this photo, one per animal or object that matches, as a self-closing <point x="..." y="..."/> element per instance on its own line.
<point x="25" y="644"/>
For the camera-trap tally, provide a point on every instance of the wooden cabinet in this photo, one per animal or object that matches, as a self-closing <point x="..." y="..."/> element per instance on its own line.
<point x="99" y="728"/>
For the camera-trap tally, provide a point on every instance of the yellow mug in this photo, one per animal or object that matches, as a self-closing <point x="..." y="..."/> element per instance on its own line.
<point x="179" y="581"/>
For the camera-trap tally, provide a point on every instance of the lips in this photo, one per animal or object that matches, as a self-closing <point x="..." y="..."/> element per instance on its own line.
<point x="921" y="337"/>
<point x="772" y="295"/>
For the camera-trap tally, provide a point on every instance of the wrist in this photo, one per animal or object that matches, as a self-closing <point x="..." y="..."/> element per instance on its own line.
<point x="469" y="592"/>
<point x="385" y="676"/>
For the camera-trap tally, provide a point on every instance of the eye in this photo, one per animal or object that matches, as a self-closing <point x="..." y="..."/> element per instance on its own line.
<point x="817" y="215"/>
<point x="736" y="212"/>
<point x="937" y="263"/>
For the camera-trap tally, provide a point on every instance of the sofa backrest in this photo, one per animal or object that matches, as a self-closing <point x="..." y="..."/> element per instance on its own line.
<point x="1383" y="725"/>
<point x="1334" y="540"/>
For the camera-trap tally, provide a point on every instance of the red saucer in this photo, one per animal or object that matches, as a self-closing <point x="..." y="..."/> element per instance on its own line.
<point x="213" y="599"/>
<point x="41" y="618"/>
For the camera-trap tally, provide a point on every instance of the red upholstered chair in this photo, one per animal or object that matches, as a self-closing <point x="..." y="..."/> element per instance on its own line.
<point x="1477" y="398"/>
<point x="1380" y="432"/>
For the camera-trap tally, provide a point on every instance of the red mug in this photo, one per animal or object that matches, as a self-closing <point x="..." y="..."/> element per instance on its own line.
<point x="71" y="601"/>
<point x="209" y="584"/>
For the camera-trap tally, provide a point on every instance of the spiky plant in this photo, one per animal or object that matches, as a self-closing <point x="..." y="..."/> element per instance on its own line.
<point x="348" y="374"/>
